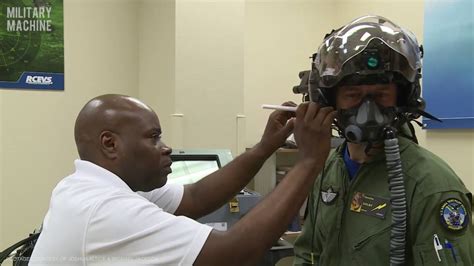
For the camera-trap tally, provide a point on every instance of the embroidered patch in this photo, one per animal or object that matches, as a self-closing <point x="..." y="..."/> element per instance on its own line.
<point x="369" y="205"/>
<point x="328" y="196"/>
<point x="453" y="215"/>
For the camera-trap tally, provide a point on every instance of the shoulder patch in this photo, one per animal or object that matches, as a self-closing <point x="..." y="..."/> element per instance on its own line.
<point x="453" y="215"/>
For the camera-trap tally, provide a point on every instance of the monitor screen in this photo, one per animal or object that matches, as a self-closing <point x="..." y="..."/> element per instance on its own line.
<point x="191" y="165"/>
<point x="190" y="171"/>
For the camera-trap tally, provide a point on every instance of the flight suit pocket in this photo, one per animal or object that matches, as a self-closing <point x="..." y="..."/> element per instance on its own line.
<point x="425" y="254"/>
<point x="377" y="240"/>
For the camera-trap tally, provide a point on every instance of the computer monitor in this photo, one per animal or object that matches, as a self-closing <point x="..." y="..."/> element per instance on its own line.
<point x="191" y="165"/>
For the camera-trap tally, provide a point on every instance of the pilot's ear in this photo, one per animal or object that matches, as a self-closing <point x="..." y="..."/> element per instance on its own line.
<point x="108" y="144"/>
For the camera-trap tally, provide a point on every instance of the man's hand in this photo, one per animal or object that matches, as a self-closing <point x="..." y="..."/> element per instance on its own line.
<point x="246" y="242"/>
<point x="279" y="127"/>
<point x="312" y="131"/>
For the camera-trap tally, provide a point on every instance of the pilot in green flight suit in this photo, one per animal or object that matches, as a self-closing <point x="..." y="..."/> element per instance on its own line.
<point x="370" y="70"/>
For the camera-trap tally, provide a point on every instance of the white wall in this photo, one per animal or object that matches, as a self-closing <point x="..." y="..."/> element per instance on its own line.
<point x="37" y="126"/>
<point x="156" y="54"/>
<point x="280" y="36"/>
<point x="209" y="71"/>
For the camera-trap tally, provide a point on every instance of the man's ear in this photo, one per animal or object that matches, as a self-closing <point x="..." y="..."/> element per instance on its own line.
<point x="108" y="144"/>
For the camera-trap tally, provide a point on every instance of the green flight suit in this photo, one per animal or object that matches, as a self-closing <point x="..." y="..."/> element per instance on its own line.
<point x="342" y="236"/>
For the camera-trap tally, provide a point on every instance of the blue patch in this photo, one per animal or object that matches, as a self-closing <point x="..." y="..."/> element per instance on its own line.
<point x="453" y="215"/>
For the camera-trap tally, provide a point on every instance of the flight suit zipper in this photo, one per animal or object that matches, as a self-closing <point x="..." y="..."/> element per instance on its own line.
<point x="347" y="185"/>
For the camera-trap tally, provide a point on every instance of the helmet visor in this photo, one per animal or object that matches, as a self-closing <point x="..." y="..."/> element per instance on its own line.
<point x="365" y="46"/>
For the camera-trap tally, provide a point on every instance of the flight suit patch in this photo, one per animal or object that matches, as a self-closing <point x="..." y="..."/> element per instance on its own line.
<point x="329" y="195"/>
<point x="369" y="205"/>
<point x="453" y="215"/>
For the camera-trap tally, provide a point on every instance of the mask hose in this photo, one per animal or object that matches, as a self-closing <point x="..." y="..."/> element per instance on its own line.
<point x="397" y="198"/>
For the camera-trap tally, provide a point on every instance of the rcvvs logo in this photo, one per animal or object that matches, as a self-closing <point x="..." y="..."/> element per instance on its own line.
<point x="39" y="80"/>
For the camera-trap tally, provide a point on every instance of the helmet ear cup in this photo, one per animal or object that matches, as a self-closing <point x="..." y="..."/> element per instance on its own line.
<point x="316" y="95"/>
<point x="323" y="96"/>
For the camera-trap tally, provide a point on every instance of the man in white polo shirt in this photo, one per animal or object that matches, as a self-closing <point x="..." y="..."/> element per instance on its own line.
<point x="116" y="208"/>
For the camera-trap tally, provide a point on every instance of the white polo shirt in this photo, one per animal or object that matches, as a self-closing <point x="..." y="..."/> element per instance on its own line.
<point x="94" y="218"/>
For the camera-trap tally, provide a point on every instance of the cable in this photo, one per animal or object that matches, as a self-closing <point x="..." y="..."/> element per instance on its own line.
<point x="30" y="240"/>
<point x="397" y="199"/>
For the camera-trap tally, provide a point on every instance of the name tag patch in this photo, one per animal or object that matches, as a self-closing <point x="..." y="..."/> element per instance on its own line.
<point x="369" y="205"/>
